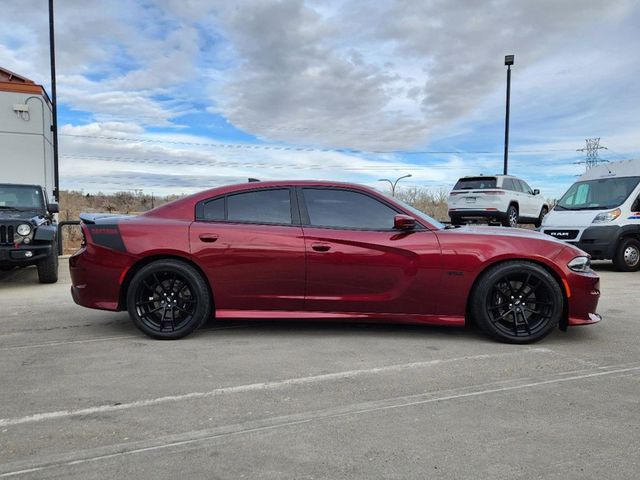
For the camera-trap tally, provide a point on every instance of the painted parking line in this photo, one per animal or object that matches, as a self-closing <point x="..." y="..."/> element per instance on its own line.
<point x="194" y="437"/>
<point x="253" y="387"/>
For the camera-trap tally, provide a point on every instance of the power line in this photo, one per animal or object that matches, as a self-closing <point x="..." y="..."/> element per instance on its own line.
<point x="210" y="162"/>
<point x="591" y="148"/>
<point x="298" y="148"/>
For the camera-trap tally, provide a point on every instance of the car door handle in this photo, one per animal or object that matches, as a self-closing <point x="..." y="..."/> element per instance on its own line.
<point x="321" y="247"/>
<point x="208" y="237"/>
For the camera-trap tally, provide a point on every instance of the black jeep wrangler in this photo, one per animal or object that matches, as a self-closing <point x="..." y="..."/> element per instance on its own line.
<point x="28" y="232"/>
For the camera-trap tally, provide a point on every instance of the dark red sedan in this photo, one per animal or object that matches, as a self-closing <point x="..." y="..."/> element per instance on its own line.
<point x="320" y="250"/>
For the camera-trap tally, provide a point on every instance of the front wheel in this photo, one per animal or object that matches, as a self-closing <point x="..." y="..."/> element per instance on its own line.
<point x="627" y="257"/>
<point x="168" y="299"/>
<point x="517" y="302"/>
<point x="543" y="213"/>
<point x="48" y="268"/>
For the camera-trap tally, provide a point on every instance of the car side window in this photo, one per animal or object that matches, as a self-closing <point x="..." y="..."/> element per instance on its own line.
<point x="524" y="187"/>
<point x="213" y="210"/>
<point x="636" y="204"/>
<point x="262" y="206"/>
<point x="507" y="184"/>
<point x="347" y="209"/>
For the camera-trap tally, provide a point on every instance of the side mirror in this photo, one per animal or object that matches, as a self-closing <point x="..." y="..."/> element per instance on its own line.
<point x="53" y="208"/>
<point x="536" y="191"/>
<point x="404" y="222"/>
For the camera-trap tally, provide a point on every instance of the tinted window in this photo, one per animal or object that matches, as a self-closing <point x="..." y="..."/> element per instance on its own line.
<point x="265" y="206"/>
<point x="525" y="188"/>
<point x="213" y="209"/>
<point x="347" y="209"/>
<point x="508" y="184"/>
<point x="475" y="183"/>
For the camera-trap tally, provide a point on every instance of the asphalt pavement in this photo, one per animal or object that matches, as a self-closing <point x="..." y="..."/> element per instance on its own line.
<point x="84" y="395"/>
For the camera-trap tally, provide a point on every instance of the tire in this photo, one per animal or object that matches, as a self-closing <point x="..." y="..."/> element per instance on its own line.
<point x="48" y="268"/>
<point x="517" y="302"/>
<point x="511" y="217"/>
<point x="6" y="269"/>
<point x="543" y="212"/>
<point x="168" y="299"/>
<point x="455" y="220"/>
<point x="627" y="258"/>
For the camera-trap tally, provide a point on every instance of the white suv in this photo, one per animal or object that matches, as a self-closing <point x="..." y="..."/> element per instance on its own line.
<point x="500" y="198"/>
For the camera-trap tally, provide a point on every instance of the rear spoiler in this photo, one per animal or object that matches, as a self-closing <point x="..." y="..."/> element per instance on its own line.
<point x="90" y="218"/>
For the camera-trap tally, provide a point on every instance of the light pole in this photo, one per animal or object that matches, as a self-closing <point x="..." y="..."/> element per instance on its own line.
<point x="508" y="61"/>
<point x="54" y="104"/>
<point x="393" y="184"/>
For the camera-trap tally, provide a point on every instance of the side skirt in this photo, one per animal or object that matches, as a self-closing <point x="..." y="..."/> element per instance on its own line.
<point x="347" y="316"/>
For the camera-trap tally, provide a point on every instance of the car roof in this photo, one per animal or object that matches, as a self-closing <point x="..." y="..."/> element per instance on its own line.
<point x="183" y="207"/>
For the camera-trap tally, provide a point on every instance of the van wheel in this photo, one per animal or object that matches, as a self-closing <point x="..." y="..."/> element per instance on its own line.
<point x="627" y="257"/>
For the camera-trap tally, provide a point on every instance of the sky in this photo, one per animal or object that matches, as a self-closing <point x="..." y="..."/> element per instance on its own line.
<point x="175" y="96"/>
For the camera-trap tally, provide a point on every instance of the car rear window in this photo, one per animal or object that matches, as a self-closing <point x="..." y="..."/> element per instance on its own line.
<point x="475" y="183"/>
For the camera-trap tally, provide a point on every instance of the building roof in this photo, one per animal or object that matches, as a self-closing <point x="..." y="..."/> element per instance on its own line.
<point x="9" y="76"/>
<point x="12" y="82"/>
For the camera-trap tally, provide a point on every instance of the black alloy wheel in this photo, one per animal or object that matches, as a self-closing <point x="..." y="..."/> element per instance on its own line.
<point x="517" y="302"/>
<point x="168" y="299"/>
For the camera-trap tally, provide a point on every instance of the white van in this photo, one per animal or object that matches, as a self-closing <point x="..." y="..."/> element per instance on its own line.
<point x="600" y="214"/>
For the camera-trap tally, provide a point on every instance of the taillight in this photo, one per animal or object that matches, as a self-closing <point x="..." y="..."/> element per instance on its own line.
<point x="83" y="242"/>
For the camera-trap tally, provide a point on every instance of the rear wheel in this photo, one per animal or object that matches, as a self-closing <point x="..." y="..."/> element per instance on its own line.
<point x="511" y="218"/>
<point x="455" y="220"/>
<point x="627" y="257"/>
<point x="517" y="302"/>
<point x="168" y="299"/>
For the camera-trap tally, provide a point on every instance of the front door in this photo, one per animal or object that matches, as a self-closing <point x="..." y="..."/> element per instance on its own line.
<point x="357" y="262"/>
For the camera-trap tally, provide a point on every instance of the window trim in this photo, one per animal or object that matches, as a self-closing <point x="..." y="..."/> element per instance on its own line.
<point x="306" y="220"/>
<point x="293" y="205"/>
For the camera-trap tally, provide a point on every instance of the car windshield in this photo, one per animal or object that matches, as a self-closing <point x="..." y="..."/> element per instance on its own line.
<point x="599" y="194"/>
<point x="20" y="197"/>
<point x="475" y="183"/>
<point x="420" y="214"/>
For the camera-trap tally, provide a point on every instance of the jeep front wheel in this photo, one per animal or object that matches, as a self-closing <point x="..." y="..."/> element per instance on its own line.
<point x="48" y="268"/>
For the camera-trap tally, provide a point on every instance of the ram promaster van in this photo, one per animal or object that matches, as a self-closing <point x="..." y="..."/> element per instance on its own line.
<point x="600" y="214"/>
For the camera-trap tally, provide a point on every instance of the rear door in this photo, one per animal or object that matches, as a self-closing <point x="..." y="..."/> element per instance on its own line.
<point x="251" y="248"/>
<point x="357" y="262"/>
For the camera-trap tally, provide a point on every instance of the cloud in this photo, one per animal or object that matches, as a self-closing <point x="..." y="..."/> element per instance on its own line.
<point x="349" y="77"/>
<point x="388" y="76"/>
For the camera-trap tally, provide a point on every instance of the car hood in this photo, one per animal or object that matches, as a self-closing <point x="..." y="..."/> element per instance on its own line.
<point x="502" y="232"/>
<point x="570" y="218"/>
<point x="508" y="240"/>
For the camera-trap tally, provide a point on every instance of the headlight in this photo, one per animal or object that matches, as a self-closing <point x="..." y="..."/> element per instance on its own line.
<point x="23" y="229"/>
<point x="607" y="216"/>
<point x="580" y="264"/>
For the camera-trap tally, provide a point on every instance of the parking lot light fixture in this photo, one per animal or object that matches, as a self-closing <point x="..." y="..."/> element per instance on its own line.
<point x="508" y="61"/>
<point x="394" y="183"/>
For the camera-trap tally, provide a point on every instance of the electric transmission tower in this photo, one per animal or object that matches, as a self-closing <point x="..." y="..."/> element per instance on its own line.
<point x="591" y="148"/>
